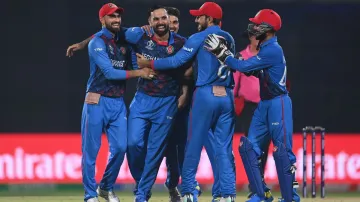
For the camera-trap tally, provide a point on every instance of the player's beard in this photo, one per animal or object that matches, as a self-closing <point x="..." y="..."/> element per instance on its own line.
<point x="202" y="27"/>
<point x="161" y="32"/>
<point x="112" y="28"/>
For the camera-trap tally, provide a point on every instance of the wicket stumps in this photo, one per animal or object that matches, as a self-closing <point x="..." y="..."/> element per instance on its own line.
<point x="313" y="131"/>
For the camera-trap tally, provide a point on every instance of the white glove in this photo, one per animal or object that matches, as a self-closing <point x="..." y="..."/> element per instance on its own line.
<point x="217" y="45"/>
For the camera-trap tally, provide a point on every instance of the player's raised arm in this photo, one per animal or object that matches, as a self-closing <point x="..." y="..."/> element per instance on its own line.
<point x="78" y="46"/>
<point x="81" y="45"/>
<point x="257" y="62"/>
<point x="134" y="34"/>
<point x="216" y="45"/>
<point x="184" y="55"/>
<point x="97" y="52"/>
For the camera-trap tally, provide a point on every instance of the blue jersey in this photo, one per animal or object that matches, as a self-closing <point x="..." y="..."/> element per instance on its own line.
<point x="207" y="68"/>
<point x="167" y="83"/>
<point x="270" y="62"/>
<point x="108" y="63"/>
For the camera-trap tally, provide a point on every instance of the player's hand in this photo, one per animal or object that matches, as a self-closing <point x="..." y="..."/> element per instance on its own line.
<point x="71" y="49"/>
<point x="217" y="45"/>
<point x="182" y="100"/>
<point x="147" y="73"/>
<point x="253" y="73"/>
<point x="148" y="30"/>
<point x="142" y="61"/>
<point x="239" y="56"/>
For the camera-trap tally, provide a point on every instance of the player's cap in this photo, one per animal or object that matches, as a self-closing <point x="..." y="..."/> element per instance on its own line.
<point x="267" y="16"/>
<point x="109" y="9"/>
<point x="210" y="9"/>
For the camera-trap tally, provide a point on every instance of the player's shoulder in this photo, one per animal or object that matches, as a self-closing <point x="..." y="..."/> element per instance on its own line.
<point x="197" y="36"/>
<point x="98" y="35"/>
<point x="226" y="34"/>
<point x="135" y="31"/>
<point x="178" y="38"/>
<point x="272" y="49"/>
<point x="272" y="46"/>
<point x="97" y="39"/>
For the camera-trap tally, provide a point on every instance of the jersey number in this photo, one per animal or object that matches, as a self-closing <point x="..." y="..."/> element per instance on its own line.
<point x="223" y="72"/>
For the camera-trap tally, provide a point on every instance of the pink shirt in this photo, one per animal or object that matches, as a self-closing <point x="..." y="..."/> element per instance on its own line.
<point x="247" y="86"/>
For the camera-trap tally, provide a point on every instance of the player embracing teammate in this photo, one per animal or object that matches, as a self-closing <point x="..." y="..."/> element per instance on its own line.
<point x="210" y="52"/>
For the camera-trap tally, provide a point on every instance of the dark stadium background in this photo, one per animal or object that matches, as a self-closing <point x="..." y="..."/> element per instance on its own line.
<point x="43" y="91"/>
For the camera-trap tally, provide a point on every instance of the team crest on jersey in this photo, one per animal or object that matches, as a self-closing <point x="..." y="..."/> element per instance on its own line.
<point x="123" y="50"/>
<point x="170" y="49"/>
<point x="150" y="45"/>
<point x="111" y="50"/>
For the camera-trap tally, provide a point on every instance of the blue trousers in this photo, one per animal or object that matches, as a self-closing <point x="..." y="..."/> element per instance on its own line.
<point x="176" y="150"/>
<point x="108" y="115"/>
<point x="149" y="124"/>
<point x="272" y="119"/>
<point x="210" y="112"/>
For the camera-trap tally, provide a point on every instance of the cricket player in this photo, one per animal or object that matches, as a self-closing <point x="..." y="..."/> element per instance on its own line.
<point x="273" y="115"/>
<point x="212" y="105"/>
<point x="155" y="104"/>
<point x="175" y="151"/>
<point x="104" y="107"/>
<point x="247" y="97"/>
<point x="176" y="147"/>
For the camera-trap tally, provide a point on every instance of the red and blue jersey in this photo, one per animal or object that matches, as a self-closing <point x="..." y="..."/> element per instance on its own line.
<point x="167" y="82"/>
<point x="108" y="64"/>
<point x="271" y="64"/>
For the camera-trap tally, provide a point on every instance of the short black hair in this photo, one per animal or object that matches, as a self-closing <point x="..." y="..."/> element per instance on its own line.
<point x="155" y="8"/>
<point x="215" y="21"/>
<point x="173" y="11"/>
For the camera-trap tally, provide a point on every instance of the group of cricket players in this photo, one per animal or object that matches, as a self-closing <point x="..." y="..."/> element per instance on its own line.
<point x="184" y="102"/>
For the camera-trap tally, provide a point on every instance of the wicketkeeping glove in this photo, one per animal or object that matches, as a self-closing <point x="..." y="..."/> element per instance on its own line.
<point x="217" y="45"/>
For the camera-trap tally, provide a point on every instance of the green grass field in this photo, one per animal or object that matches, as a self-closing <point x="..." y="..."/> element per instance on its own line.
<point x="160" y="197"/>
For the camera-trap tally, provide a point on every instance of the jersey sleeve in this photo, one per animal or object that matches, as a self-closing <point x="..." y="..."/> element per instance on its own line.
<point x="131" y="59"/>
<point x="97" y="52"/>
<point x="261" y="61"/>
<point x="183" y="56"/>
<point x="134" y="34"/>
<point x="134" y="59"/>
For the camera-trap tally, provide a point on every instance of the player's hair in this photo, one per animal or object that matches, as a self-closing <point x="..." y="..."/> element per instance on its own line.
<point x="215" y="21"/>
<point x="155" y="8"/>
<point x="173" y="11"/>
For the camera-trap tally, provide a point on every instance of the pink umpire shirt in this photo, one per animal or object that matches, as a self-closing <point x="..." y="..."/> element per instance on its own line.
<point x="247" y="86"/>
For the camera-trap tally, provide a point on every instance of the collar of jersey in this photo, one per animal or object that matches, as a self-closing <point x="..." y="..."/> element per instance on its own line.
<point x="164" y="43"/>
<point x="211" y="28"/>
<point x="107" y="33"/>
<point x="271" y="40"/>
